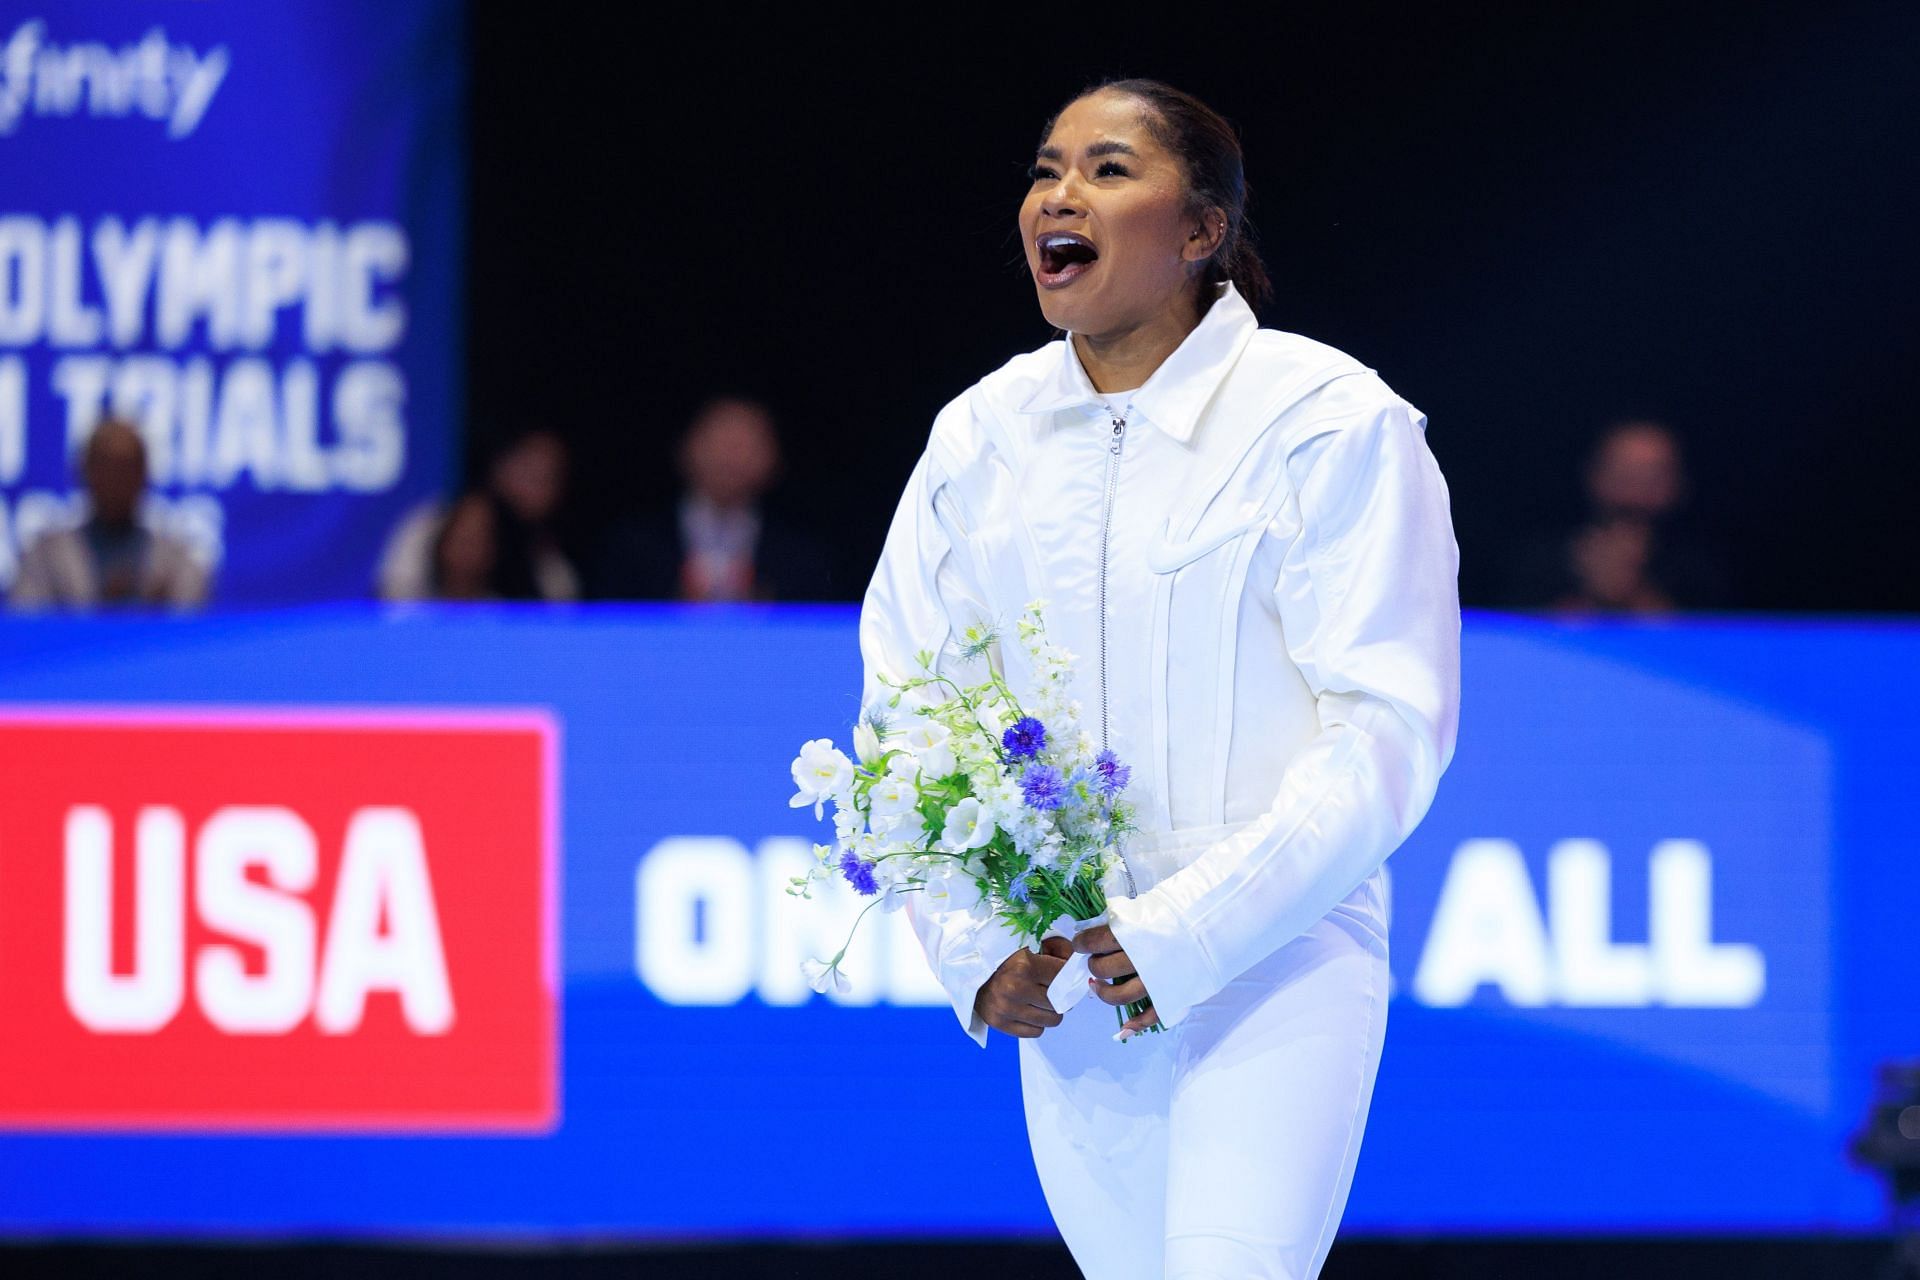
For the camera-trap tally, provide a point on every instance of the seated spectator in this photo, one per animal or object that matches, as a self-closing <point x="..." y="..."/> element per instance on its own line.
<point x="526" y="483"/>
<point x="1630" y="553"/>
<point x="405" y="571"/>
<point x="465" y="551"/>
<point x="111" y="559"/>
<point x="718" y="541"/>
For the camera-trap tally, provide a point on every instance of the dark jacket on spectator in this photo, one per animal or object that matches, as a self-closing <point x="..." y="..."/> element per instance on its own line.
<point x="644" y="558"/>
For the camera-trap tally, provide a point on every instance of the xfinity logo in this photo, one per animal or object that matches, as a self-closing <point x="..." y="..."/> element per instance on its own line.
<point x="157" y="79"/>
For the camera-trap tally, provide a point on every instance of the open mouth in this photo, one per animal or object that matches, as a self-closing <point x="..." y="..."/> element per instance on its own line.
<point x="1064" y="257"/>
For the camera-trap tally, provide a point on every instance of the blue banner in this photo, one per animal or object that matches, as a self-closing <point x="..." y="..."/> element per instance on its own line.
<point x="239" y="225"/>
<point x="1647" y="946"/>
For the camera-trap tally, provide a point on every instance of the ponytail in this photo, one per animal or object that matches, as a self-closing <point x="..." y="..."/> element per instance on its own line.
<point x="1239" y="261"/>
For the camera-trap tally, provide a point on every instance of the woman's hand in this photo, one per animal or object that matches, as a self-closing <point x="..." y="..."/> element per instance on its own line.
<point x="1114" y="980"/>
<point x="1014" y="1000"/>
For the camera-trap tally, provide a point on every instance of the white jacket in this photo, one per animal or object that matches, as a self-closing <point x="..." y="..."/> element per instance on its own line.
<point x="1278" y="655"/>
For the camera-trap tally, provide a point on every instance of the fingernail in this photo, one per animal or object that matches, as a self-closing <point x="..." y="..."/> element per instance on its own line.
<point x="1123" y="1033"/>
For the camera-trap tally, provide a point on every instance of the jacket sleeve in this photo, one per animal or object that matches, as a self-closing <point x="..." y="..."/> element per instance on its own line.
<point x="183" y="581"/>
<point x="1369" y="601"/>
<point x="924" y="590"/>
<point x="33" y="584"/>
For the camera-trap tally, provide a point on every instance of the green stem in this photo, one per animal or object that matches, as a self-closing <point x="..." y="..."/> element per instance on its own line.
<point x="959" y="693"/>
<point x="841" y="954"/>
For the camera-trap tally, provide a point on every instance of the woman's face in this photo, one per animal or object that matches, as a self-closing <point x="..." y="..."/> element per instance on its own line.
<point x="1107" y="224"/>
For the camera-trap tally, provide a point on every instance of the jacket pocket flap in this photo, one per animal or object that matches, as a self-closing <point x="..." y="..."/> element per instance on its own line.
<point x="1164" y="555"/>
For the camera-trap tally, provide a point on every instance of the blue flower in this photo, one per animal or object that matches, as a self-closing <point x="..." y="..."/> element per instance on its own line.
<point x="1043" y="786"/>
<point x="1027" y="737"/>
<point x="1019" y="890"/>
<point x="859" y="873"/>
<point x="1077" y="783"/>
<point x="1114" y="775"/>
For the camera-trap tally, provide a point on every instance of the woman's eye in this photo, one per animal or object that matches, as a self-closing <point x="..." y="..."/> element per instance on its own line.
<point x="1111" y="169"/>
<point x="1035" y="172"/>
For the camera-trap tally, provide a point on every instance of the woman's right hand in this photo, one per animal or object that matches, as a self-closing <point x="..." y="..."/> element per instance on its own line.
<point x="1014" y="1000"/>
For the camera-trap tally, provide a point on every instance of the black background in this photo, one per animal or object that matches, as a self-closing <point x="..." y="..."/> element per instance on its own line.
<point x="1530" y="221"/>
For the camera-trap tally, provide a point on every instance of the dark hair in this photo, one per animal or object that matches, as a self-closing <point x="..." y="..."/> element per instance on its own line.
<point x="110" y="425"/>
<point x="437" y="557"/>
<point x="1209" y="149"/>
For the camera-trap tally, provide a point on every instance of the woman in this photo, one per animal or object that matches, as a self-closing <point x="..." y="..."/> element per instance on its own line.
<point x="466" y="551"/>
<point x="1243" y="535"/>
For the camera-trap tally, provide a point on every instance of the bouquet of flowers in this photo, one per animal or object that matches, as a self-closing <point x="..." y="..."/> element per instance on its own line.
<point x="975" y="800"/>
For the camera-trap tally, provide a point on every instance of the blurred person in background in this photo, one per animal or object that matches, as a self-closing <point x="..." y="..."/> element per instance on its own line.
<point x="525" y="493"/>
<point x="112" y="558"/>
<point x="528" y="486"/>
<point x="1630" y="553"/>
<point x="718" y="541"/>
<point x="465" y="551"/>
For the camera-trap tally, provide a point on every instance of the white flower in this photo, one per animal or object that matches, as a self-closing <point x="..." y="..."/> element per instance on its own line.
<point x="866" y="744"/>
<point x="822" y="868"/>
<point x="933" y="748"/>
<point x="927" y="733"/>
<point x="1028" y="828"/>
<point x="893" y="798"/>
<point x="969" y="825"/>
<point x="892" y="834"/>
<point x="1000" y="792"/>
<point x="948" y="885"/>
<point x="848" y="822"/>
<point x="820" y="770"/>
<point x="894" y="883"/>
<point x="938" y="762"/>
<point x="821" y="976"/>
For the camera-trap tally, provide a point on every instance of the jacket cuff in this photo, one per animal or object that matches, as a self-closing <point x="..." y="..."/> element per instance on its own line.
<point x="972" y="955"/>
<point x="1166" y="953"/>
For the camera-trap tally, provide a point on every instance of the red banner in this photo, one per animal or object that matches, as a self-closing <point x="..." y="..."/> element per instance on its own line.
<point x="277" y="921"/>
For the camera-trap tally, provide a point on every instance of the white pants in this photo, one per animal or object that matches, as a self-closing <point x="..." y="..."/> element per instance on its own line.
<point x="1223" y="1148"/>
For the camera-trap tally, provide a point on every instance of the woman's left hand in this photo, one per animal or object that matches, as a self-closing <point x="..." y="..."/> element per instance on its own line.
<point x="1114" y="980"/>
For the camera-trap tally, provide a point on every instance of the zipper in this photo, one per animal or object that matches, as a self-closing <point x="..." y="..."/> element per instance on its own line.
<point x="1106" y="522"/>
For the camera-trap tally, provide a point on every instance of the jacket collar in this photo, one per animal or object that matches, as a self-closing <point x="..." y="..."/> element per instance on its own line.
<point x="1173" y="398"/>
